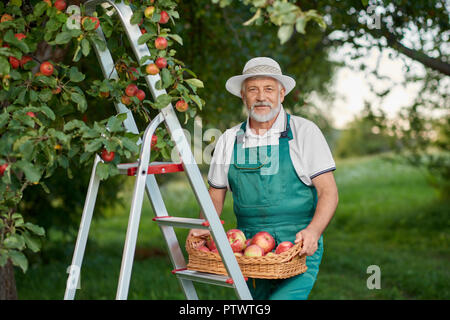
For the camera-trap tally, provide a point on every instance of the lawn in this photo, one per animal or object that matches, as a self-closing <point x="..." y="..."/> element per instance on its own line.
<point x="387" y="216"/>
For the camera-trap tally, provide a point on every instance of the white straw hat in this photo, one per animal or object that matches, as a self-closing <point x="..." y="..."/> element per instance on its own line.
<point x="259" y="66"/>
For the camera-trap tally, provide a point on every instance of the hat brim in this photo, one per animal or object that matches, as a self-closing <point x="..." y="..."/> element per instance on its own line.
<point x="233" y="85"/>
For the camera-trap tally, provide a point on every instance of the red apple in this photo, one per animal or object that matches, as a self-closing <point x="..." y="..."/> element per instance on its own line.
<point x="31" y="114"/>
<point x="164" y="17"/>
<point x="20" y="36"/>
<point x="140" y="94"/>
<point x="254" y="250"/>
<point x="161" y="62"/>
<point x="161" y="43"/>
<point x="152" y="69"/>
<point x="46" y="68"/>
<point x="3" y="168"/>
<point x="210" y="243"/>
<point x="264" y="240"/>
<point x="14" y="62"/>
<point x="154" y="141"/>
<point x="143" y="31"/>
<point x="24" y="60"/>
<point x="131" y="90"/>
<point x="203" y="248"/>
<point x="283" y="246"/>
<point x="60" y="5"/>
<point x="6" y="17"/>
<point x="181" y="105"/>
<point x="104" y="94"/>
<point x="237" y="239"/>
<point x="107" y="156"/>
<point x="126" y="100"/>
<point x="148" y="12"/>
<point x="93" y="19"/>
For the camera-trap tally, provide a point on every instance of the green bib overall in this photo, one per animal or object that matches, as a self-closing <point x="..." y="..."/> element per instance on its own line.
<point x="269" y="196"/>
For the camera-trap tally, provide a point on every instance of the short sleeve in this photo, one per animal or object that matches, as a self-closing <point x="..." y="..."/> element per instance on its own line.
<point x="217" y="175"/>
<point x="317" y="153"/>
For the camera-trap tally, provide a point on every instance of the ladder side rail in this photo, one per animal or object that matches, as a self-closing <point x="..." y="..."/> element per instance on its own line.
<point x="135" y="210"/>
<point x="80" y="246"/>
<point x="206" y="204"/>
<point x="173" y="246"/>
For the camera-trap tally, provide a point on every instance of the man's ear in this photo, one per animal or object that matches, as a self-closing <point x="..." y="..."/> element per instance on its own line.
<point x="282" y="92"/>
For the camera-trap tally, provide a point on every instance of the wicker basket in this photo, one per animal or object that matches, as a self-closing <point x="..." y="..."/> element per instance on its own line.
<point x="279" y="266"/>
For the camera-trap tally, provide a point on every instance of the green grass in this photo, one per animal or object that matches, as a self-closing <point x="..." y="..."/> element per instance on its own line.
<point x="387" y="216"/>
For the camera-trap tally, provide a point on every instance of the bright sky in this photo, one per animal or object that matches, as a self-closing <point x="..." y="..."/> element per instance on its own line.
<point x="352" y="87"/>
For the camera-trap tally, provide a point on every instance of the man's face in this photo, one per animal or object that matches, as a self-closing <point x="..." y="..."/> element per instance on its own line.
<point x="262" y="97"/>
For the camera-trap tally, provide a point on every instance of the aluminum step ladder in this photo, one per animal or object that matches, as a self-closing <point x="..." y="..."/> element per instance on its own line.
<point x="145" y="181"/>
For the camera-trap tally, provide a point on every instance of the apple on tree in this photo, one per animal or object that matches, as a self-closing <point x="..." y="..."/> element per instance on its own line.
<point x="161" y="62"/>
<point x="164" y="17"/>
<point x="3" y="167"/>
<point x="181" y="105"/>
<point x="107" y="156"/>
<point x="46" y="68"/>
<point x="60" y="5"/>
<point x="160" y="43"/>
<point x="152" y="69"/>
<point x="131" y="90"/>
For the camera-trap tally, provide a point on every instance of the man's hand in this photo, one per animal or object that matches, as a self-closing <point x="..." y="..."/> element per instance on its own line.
<point x="203" y="233"/>
<point x="310" y="240"/>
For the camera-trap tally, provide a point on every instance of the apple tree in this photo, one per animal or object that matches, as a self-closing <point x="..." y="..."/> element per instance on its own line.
<point x="44" y="95"/>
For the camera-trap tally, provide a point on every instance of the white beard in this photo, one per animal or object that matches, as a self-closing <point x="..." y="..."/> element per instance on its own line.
<point x="264" y="117"/>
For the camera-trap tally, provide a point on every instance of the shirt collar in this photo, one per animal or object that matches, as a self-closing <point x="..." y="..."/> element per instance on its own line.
<point x="277" y="127"/>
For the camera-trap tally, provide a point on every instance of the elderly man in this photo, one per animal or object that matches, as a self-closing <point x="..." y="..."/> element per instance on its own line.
<point x="279" y="169"/>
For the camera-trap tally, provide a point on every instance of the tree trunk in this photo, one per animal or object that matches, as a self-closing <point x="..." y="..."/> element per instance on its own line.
<point x="7" y="282"/>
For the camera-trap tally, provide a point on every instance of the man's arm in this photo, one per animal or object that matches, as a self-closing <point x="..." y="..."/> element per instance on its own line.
<point x="327" y="201"/>
<point x="218" y="199"/>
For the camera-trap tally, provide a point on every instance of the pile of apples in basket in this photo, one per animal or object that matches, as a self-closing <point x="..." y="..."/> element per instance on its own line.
<point x="262" y="244"/>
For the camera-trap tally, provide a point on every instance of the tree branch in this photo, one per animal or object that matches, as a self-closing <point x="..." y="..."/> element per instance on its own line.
<point x="433" y="63"/>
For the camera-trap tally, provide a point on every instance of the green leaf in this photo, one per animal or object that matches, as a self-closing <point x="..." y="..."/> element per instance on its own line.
<point x="195" y="82"/>
<point x="62" y="38"/>
<point x="80" y="100"/>
<point x="285" y="32"/>
<point x="114" y="124"/>
<point x="93" y="145"/>
<point x="48" y="112"/>
<point x="11" y="39"/>
<point x="18" y="259"/>
<point x="14" y="241"/>
<point x="75" y="75"/>
<point x="5" y="67"/>
<point x="197" y="100"/>
<point x="166" y="78"/>
<point x="85" y="47"/>
<point x="32" y="243"/>
<point x="300" y="25"/>
<point x="31" y="172"/>
<point x="35" y="229"/>
<point x="144" y="38"/>
<point x="39" y="8"/>
<point x="102" y="171"/>
<point x="45" y="95"/>
<point x="162" y="101"/>
<point x="176" y="37"/>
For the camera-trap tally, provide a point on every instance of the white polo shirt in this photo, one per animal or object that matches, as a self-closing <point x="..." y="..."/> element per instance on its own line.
<point x="309" y="151"/>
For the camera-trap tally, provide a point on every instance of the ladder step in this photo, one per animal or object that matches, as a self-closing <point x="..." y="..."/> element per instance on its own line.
<point x="183" y="222"/>
<point x="154" y="168"/>
<point x="204" y="277"/>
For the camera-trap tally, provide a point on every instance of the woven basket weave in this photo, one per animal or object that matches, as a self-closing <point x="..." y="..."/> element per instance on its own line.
<point x="278" y="266"/>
